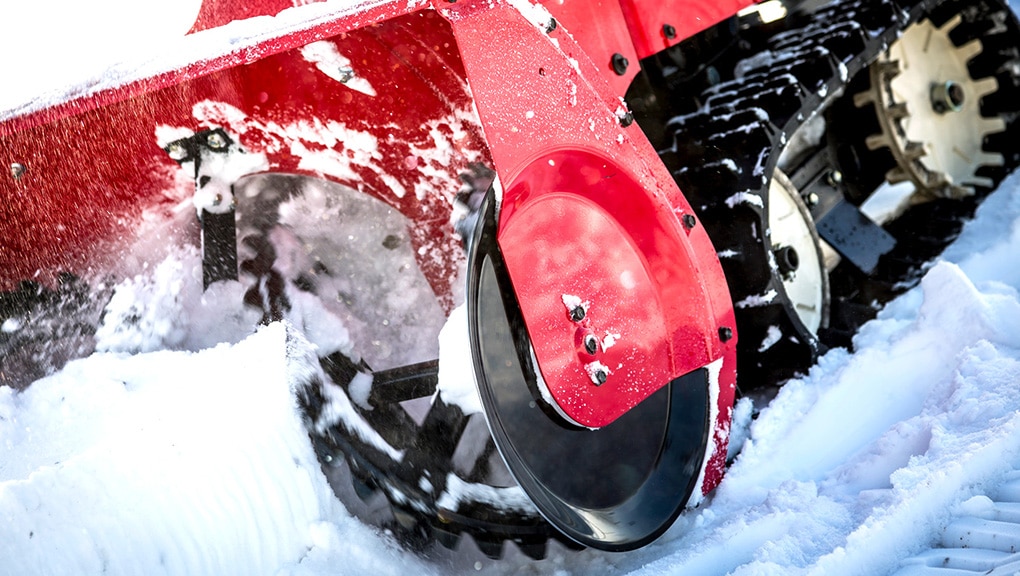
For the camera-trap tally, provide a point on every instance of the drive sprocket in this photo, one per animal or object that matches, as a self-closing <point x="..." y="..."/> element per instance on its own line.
<point x="928" y="105"/>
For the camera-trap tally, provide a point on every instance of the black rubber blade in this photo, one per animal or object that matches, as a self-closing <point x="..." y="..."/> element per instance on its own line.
<point x="616" y="488"/>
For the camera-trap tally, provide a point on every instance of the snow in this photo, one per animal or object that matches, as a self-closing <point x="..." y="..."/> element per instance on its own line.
<point x="177" y="447"/>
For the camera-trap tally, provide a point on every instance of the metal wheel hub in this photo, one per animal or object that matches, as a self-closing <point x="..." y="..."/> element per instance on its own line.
<point x="796" y="249"/>
<point x="929" y="109"/>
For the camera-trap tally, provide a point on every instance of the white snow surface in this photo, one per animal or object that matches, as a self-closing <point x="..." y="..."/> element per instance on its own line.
<point x="191" y="458"/>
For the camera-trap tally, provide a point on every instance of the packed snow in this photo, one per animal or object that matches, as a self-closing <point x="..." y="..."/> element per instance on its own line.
<point x="167" y="453"/>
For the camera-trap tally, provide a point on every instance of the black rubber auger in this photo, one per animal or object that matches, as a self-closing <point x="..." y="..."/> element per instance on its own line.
<point x="726" y="125"/>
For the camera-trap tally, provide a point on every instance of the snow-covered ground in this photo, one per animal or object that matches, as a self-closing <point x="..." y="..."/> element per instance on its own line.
<point x="196" y="462"/>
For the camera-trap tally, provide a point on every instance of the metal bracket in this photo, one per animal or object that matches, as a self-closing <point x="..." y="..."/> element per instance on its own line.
<point x="214" y="198"/>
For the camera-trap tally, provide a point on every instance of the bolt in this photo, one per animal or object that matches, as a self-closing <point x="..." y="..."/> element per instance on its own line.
<point x="690" y="221"/>
<point x="725" y="333"/>
<point x="591" y="344"/>
<point x="620" y="64"/>
<point x="669" y="31"/>
<point x="626" y="119"/>
<point x="216" y="141"/>
<point x="947" y="97"/>
<point x="18" y="170"/>
<point x="550" y="26"/>
<point x="812" y="199"/>
<point x="177" y="151"/>
<point x="601" y="377"/>
<point x="577" y="313"/>
<point x="834" y="178"/>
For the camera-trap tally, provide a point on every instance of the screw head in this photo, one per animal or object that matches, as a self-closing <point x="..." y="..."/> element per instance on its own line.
<point x="177" y="151"/>
<point x="620" y="64"/>
<point x="577" y="313"/>
<point x="725" y="333"/>
<point x="216" y="141"/>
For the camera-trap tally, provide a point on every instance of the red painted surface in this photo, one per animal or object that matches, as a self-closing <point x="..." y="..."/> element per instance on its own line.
<point x="605" y="204"/>
<point x="647" y="18"/>
<point x="586" y="200"/>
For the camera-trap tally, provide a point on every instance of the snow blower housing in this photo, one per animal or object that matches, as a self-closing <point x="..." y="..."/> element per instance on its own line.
<point x="405" y="165"/>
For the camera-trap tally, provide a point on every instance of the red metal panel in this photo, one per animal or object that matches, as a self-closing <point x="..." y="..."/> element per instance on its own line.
<point x="589" y="211"/>
<point x="648" y="18"/>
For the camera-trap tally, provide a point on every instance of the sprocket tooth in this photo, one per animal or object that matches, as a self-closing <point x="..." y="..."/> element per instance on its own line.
<point x="897" y="175"/>
<point x="862" y="99"/>
<point x="991" y="159"/>
<point x="876" y="141"/>
<point x="986" y="86"/>
<point x="971" y="49"/>
<point x="534" y="550"/>
<point x="493" y="550"/>
<point x="950" y="24"/>
<point x="981" y="181"/>
<point x="889" y="69"/>
<point x="898" y="111"/>
<point x="448" y="539"/>
<point x="914" y="151"/>
<point x="992" y="125"/>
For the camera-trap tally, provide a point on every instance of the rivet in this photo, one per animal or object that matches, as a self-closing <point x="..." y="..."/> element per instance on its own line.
<point x="725" y="333"/>
<point x="620" y="64"/>
<point x="669" y="31"/>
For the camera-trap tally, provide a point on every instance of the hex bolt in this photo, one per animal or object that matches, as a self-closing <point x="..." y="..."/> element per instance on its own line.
<point x="725" y="333"/>
<point x="620" y="64"/>
<point x="690" y="221"/>
<point x="834" y="178"/>
<point x="18" y="170"/>
<point x="216" y="141"/>
<point x="591" y="344"/>
<point x="177" y="151"/>
<point x="577" y="313"/>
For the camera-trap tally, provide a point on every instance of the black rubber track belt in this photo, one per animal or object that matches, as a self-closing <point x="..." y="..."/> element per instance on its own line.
<point x="731" y="141"/>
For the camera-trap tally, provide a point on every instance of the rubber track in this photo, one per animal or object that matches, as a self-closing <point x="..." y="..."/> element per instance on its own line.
<point x="722" y="157"/>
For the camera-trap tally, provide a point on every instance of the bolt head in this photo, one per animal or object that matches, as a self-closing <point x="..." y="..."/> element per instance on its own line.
<point x="725" y="333"/>
<point x="620" y="64"/>
<point x="177" y="151"/>
<point x="669" y="30"/>
<point x="591" y="344"/>
<point x="18" y="170"/>
<point x="601" y="377"/>
<point x="577" y="313"/>
<point x="690" y="221"/>
<point x="216" y="141"/>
